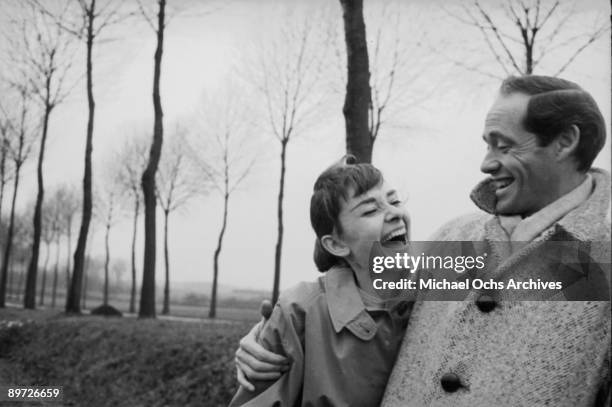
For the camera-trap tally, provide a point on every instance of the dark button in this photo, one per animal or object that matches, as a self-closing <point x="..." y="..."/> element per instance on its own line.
<point x="485" y="303"/>
<point x="403" y="307"/>
<point x="450" y="382"/>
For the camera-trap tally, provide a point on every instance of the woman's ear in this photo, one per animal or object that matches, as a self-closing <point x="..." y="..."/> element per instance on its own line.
<point x="567" y="141"/>
<point x="334" y="246"/>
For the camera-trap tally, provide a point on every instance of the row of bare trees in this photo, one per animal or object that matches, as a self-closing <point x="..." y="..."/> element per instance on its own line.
<point x="288" y="74"/>
<point x="56" y="232"/>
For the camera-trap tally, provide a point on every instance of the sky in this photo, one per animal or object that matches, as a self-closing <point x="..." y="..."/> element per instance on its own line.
<point x="430" y="149"/>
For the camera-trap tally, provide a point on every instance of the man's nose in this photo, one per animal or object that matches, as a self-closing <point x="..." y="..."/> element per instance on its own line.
<point x="490" y="164"/>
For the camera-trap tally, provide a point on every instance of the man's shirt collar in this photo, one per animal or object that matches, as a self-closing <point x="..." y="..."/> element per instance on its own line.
<point x="576" y="223"/>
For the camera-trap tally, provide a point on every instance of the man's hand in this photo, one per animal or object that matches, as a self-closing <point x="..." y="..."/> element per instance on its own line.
<point x="253" y="362"/>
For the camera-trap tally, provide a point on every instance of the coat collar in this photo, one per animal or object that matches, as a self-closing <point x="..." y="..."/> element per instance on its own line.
<point x="578" y="222"/>
<point x="346" y="308"/>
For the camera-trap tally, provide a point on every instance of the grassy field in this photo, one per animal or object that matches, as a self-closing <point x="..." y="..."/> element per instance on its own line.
<point x="121" y="302"/>
<point x="122" y="361"/>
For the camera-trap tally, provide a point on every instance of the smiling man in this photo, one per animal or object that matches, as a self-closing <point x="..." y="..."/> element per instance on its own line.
<point x="540" y="145"/>
<point x="542" y="135"/>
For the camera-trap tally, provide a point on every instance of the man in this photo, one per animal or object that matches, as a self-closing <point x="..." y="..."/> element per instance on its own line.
<point x="542" y="135"/>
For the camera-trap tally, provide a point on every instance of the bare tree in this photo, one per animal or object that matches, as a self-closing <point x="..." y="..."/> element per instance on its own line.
<point x="54" y="206"/>
<point x="69" y="204"/>
<point x="48" y="235"/>
<point x="59" y="211"/>
<point x="21" y="248"/>
<point x="288" y="74"/>
<point x="132" y="159"/>
<point x="175" y="187"/>
<point x="92" y="17"/>
<point x="58" y="237"/>
<point x="147" y="295"/>
<point x="394" y="73"/>
<point x="399" y="65"/>
<point x="19" y="148"/>
<point x="45" y="57"/>
<point x="224" y="158"/>
<point x="106" y="203"/>
<point x="289" y="71"/>
<point x="5" y="127"/>
<point x="521" y="35"/>
<point x="358" y="92"/>
<point x="86" y="270"/>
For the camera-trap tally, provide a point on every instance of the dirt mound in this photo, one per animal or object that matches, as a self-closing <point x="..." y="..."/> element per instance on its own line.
<point x="106" y="311"/>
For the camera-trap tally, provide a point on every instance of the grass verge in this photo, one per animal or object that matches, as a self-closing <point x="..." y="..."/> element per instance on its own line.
<point x="124" y="361"/>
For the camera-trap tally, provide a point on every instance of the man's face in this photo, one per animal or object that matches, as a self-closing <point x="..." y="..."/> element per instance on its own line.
<point x="526" y="176"/>
<point x="375" y="216"/>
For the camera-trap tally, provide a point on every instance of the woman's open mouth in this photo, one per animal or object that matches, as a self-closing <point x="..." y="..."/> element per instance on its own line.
<point x="395" y="238"/>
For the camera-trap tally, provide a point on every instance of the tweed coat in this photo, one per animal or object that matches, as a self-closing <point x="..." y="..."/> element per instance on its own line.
<point x="514" y="353"/>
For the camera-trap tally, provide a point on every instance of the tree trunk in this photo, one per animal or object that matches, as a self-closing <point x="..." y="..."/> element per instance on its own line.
<point x="3" y="154"/>
<point x="30" y="290"/>
<point x="84" y="291"/>
<point x="11" y="278"/>
<point x="55" y="272"/>
<point x="106" y="262"/>
<point x="20" y="282"/>
<point x="147" y="295"/>
<point x="212" y="312"/>
<point x="74" y="294"/>
<point x="134" y="232"/>
<point x="528" y="59"/>
<point x="44" y="275"/>
<point x="9" y="242"/>
<point x="358" y="93"/>
<point x="166" y="307"/>
<point x="69" y="227"/>
<point x="279" y="240"/>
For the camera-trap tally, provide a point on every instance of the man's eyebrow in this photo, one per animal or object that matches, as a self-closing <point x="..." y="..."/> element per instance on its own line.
<point x="364" y="202"/>
<point x="496" y="136"/>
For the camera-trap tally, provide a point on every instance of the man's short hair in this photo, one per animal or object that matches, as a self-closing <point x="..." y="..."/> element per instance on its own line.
<point x="331" y="188"/>
<point x="554" y="105"/>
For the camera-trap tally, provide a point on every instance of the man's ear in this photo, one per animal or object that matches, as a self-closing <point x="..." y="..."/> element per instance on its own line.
<point x="334" y="246"/>
<point x="567" y="141"/>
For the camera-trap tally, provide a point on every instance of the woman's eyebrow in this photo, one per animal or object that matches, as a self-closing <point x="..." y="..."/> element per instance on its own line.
<point x="364" y="202"/>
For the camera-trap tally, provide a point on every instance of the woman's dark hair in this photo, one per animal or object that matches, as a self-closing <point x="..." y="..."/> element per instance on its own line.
<point x="338" y="183"/>
<point x="555" y="105"/>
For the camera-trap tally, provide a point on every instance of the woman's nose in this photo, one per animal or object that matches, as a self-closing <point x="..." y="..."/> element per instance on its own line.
<point x="393" y="213"/>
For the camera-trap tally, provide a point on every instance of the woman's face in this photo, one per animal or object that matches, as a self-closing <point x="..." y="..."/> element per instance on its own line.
<point x="374" y="216"/>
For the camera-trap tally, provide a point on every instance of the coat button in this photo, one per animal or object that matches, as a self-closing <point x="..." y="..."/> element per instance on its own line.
<point x="486" y="303"/>
<point x="450" y="382"/>
<point x="402" y="307"/>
